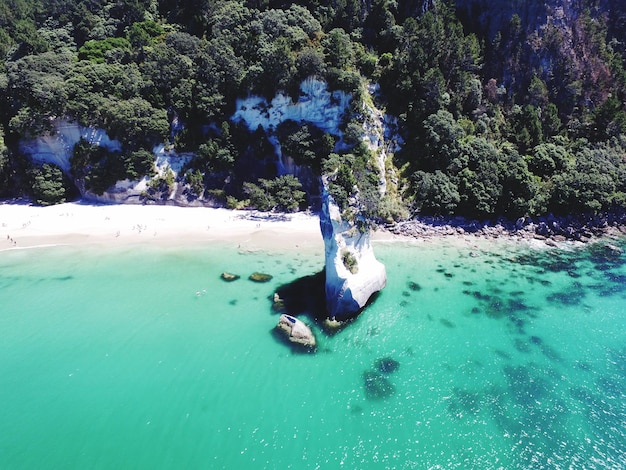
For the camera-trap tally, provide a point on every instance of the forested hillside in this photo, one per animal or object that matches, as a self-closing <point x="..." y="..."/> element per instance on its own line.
<point x="503" y="108"/>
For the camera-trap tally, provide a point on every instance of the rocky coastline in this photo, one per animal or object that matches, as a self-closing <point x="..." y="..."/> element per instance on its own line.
<point x="550" y="229"/>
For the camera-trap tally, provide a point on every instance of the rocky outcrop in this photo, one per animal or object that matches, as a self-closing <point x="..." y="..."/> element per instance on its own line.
<point x="296" y="331"/>
<point x="57" y="146"/>
<point x="353" y="274"/>
<point x="316" y="104"/>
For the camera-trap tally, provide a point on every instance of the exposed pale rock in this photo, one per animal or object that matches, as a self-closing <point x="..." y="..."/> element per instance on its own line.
<point x="296" y="330"/>
<point x="229" y="277"/>
<point x="57" y="146"/>
<point x="381" y="136"/>
<point x="347" y="292"/>
<point x="316" y="105"/>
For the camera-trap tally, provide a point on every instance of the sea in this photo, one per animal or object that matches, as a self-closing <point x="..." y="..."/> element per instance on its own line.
<point x="477" y="355"/>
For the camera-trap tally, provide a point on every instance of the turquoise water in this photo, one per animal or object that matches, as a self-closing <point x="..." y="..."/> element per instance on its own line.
<point x="141" y="357"/>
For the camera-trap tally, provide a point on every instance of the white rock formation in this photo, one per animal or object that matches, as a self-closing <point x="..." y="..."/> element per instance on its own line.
<point x="347" y="292"/>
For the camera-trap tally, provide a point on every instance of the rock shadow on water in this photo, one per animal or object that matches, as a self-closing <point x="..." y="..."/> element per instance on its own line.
<point x="305" y="295"/>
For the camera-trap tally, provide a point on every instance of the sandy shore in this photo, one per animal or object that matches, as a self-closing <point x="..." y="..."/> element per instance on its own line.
<point x="24" y="226"/>
<point x="77" y="223"/>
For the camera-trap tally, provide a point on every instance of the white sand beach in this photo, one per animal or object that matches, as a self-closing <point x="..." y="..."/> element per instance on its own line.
<point x="24" y="225"/>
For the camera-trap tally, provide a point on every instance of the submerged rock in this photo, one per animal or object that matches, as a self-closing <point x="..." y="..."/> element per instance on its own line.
<point x="296" y="330"/>
<point x="260" y="277"/>
<point x="278" y="304"/>
<point x="229" y="277"/>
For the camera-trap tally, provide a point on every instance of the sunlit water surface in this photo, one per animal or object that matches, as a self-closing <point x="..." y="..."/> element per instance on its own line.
<point x="142" y="357"/>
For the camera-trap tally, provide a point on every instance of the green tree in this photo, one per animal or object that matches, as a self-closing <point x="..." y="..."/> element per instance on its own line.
<point x="442" y="142"/>
<point x="5" y="172"/>
<point x="434" y="193"/>
<point x="283" y="193"/>
<point x="96" y="50"/>
<point x="144" y="33"/>
<point x="49" y="185"/>
<point x="288" y="194"/>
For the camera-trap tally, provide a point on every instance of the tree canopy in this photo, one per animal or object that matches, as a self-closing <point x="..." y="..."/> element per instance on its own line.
<point x="517" y="118"/>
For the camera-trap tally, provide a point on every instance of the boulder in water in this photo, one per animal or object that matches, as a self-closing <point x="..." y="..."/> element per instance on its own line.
<point x="260" y="277"/>
<point x="296" y="330"/>
<point x="229" y="277"/>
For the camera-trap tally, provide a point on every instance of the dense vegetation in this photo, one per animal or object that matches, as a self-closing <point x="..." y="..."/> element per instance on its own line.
<point x="518" y="118"/>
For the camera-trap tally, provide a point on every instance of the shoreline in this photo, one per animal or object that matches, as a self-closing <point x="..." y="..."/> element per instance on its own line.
<point x="549" y="231"/>
<point x="24" y="225"/>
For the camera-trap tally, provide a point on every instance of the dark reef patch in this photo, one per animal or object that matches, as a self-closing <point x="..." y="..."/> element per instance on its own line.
<point x="377" y="386"/>
<point x="463" y="403"/>
<point x="502" y="354"/>
<point x="447" y="323"/>
<point x="386" y="365"/>
<point x="525" y="387"/>
<point x="570" y="297"/>
<point x="521" y="345"/>
<point x="414" y="286"/>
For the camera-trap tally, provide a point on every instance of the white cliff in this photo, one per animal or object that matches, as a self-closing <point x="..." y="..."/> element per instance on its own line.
<point x="347" y="290"/>
<point x="316" y="105"/>
<point x="57" y="146"/>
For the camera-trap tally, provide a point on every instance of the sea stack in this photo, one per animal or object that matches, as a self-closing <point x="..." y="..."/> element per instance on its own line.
<point x="353" y="274"/>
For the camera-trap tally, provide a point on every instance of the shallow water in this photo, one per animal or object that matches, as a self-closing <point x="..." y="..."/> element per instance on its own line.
<point x="143" y="358"/>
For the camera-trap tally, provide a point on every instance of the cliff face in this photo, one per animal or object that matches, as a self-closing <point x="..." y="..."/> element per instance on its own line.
<point x="487" y="17"/>
<point x="353" y="274"/>
<point x="557" y="40"/>
<point x="57" y="146"/>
